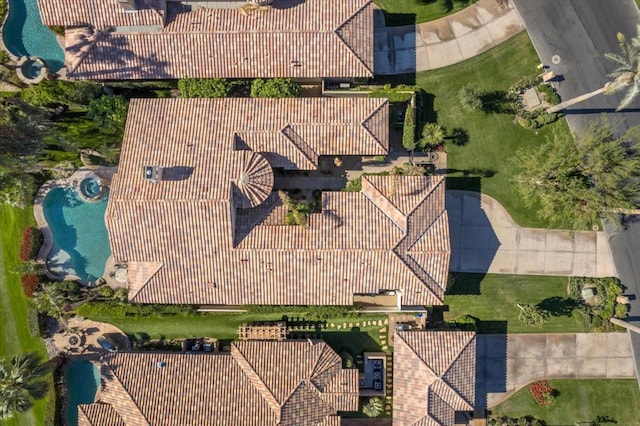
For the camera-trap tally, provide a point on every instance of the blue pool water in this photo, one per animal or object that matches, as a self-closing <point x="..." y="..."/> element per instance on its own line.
<point x="80" y="239"/>
<point x="24" y="34"/>
<point x="82" y="379"/>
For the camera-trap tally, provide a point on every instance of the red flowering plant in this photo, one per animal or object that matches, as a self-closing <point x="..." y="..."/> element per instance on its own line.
<point x="30" y="284"/>
<point x="542" y="393"/>
<point x="30" y="244"/>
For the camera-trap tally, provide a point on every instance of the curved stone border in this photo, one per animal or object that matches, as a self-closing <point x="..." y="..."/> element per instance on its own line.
<point x="103" y="173"/>
<point x="2" y="45"/>
<point x="44" y="71"/>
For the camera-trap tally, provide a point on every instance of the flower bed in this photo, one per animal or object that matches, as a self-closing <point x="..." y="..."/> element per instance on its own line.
<point x="542" y="393"/>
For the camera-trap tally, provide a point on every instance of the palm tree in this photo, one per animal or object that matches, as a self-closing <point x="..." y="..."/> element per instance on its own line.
<point x="625" y="76"/>
<point x="433" y="134"/>
<point x="532" y="315"/>
<point x="50" y="300"/>
<point x="374" y="407"/>
<point x="297" y="214"/>
<point x="22" y="381"/>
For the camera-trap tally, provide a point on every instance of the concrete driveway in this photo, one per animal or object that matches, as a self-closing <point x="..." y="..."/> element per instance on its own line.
<point x="484" y="238"/>
<point x="506" y="363"/>
<point x="445" y="41"/>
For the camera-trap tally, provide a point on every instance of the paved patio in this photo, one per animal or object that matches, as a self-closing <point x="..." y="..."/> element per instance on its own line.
<point x="484" y="238"/>
<point x="506" y="363"/>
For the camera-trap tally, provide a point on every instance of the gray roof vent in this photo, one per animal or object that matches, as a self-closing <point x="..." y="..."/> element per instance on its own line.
<point x="153" y="173"/>
<point x="161" y="364"/>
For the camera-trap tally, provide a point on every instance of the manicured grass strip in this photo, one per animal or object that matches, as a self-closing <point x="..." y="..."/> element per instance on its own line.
<point x="221" y="326"/>
<point x="484" y="162"/>
<point x="493" y="299"/>
<point x="14" y="332"/>
<point x="580" y="402"/>
<point x="407" y="12"/>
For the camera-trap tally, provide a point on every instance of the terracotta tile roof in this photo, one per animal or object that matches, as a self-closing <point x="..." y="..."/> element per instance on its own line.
<point x="310" y="39"/>
<point x="259" y="383"/>
<point x="188" y="239"/>
<point x="98" y="415"/>
<point x="437" y="376"/>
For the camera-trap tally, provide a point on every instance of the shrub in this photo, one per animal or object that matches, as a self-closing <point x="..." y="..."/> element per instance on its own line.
<point x="525" y="83"/>
<point x="121" y="295"/>
<point x="373" y="408"/>
<point x="467" y="322"/>
<point x="30" y="284"/>
<point x="409" y="130"/>
<point x="30" y="244"/>
<point x="469" y="97"/>
<point x="514" y="421"/>
<point x="329" y="311"/>
<point x="549" y="94"/>
<point x="4" y="57"/>
<point x="541" y="393"/>
<point x="105" y="291"/>
<point x="354" y="185"/>
<point x="57" y="29"/>
<point x="205" y="87"/>
<point x="274" y="88"/>
<point x="620" y="311"/>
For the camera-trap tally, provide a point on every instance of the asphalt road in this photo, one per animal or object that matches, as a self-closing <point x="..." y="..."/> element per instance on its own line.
<point x="580" y="32"/>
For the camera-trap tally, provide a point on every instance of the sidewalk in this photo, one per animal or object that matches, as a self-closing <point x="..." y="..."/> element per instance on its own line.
<point x="445" y="41"/>
<point x="484" y="238"/>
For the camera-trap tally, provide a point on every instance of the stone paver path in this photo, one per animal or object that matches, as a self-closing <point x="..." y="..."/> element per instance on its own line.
<point x="506" y="363"/>
<point x="445" y="41"/>
<point x="484" y="238"/>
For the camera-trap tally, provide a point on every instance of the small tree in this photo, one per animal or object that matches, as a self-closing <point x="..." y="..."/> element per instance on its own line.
<point x="373" y="408"/>
<point x="470" y="98"/>
<point x="532" y="315"/>
<point x="275" y="88"/>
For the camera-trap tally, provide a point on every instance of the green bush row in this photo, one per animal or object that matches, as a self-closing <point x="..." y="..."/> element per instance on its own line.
<point x="222" y="88"/>
<point x="318" y="312"/>
<point x="123" y="310"/>
<point x="401" y="93"/>
<point x="525" y="83"/>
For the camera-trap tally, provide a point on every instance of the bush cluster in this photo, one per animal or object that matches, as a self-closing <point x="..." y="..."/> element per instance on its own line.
<point x="606" y="290"/>
<point x="205" y="87"/>
<point x="124" y="310"/>
<point x="541" y="393"/>
<point x="30" y="244"/>
<point x="549" y="94"/>
<point x="525" y="83"/>
<point x="60" y="92"/>
<point x="535" y="119"/>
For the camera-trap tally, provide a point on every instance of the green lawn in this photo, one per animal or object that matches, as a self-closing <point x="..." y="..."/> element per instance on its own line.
<point x="580" y="401"/>
<point x="225" y="327"/>
<point x="484" y="161"/>
<point x="493" y="299"/>
<point x="14" y="333"/>
<point x="406" y="12"/>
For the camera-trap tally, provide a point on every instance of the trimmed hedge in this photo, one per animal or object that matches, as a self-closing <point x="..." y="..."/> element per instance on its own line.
<point x="409" y="130"/>
<point x="401" y="93"/>
<point x="123" y="310"/>
<point x="275" y="88"/>
<point x="204" y="87"/>
<point x="318" y="312"/>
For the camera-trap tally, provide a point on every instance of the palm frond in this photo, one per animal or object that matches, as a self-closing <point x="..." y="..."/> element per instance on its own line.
<point x="631" y="94"/>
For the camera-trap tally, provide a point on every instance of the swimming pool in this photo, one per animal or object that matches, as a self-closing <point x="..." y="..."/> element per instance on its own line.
<point x="24" y="34"/>
<point x="80" y="240"/>
<point x="83" y="379"/>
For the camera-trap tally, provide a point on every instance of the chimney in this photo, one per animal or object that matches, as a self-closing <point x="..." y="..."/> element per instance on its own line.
<point x="153" y="173"/>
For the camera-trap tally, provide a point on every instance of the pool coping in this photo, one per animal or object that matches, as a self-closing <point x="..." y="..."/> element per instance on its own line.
<point x="104" y="173"/>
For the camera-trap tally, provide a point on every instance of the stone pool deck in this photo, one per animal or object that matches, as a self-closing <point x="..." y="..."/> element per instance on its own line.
<point x="90" y="331"/>
<point x="104" y="173"/>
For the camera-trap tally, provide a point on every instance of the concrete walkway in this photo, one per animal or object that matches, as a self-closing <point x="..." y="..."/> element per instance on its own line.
<point x="506" y="363"/>
<point x="445" y="41"/>
<point x="484" y="238"/>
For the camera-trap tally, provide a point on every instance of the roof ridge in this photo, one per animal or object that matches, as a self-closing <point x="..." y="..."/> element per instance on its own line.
<point x="301" y="145"/>
<point x="98" y="35"/>
<point x="369" y="118"/>
<point x="384" y="204"/>
<point x="411" y="348"/>
<point x="440" y="181"/>
<point x="135" y="292"/>
<point x="349" y="20"/>
<point x="253" y="376"/>
<point x="415" y="268"/>
<point x="455" y="359"/>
